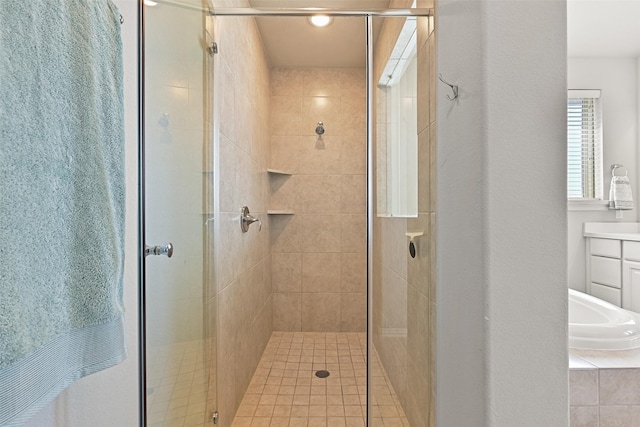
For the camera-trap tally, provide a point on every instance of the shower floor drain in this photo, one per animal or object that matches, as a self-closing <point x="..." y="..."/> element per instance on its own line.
<point x="322" y="374"/>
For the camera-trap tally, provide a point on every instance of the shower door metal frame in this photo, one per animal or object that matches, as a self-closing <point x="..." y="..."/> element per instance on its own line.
<point x="261" y="12"/>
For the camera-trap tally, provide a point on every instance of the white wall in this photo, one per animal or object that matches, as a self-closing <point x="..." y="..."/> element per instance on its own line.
<point x="500" y="216"/>
<point x="110" y="398"/>
<point x="617" y="77"/>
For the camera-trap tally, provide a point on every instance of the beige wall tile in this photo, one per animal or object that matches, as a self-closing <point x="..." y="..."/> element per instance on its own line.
<point x="320" y="156"/>
<point x="424" y="171"/>
<point x="286" y="124"/>
<point x="320" y="193"/>
<point x="229" y="264"/>
<point x="583" y="387"/>
<point x="327" y="110"/>
<point x="287" y="311"/>
<point x="286" y="82"/>
<point x="286" y="105"/>
<point x="354" y="233"/>
<point x="229" y="159"/>
<point x="417" y="324"/>
<point x="353" y="312"/>
<point x="227" y="97"/>
<point x="432" y="256"/>
<point x="353" y="82"/>
<point x="392" y="304"/>
<point x="285" y="153"/>
<point x="619" y="416"/>
<point x="321" y="82"/>
<point x="243" y="271"/>
<point x="432" y="167"/>
<point x="354" y="115"/>
<point x="354" y="273"/>
<point x="619" y="386"/>
<point x="583" y="416"/>
<point x="424" y="84"/>
<point x="418" y="393"/>
<point x="321" y="233"/>
<point x="353" y="194"/>
<point x="337" y="98"/>
<point x="286" y="233"/>
<point x="321" y="272"/>
<point x="285" y="191"/>
<point x="431" y="44"/>
<point x="286" y="272"/>
<point x="320" y="312"/>
<point x="353" y="155"/>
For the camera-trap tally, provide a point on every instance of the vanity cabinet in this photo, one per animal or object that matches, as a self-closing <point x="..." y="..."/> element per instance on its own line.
<point x="613" y="271"/>
<point x="604" y="269"/>
<point x="631" y="275"/>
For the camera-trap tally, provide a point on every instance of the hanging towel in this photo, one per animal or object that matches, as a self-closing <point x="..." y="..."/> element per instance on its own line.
<point x="62" y="198"/>
<point x="620" y="196"/>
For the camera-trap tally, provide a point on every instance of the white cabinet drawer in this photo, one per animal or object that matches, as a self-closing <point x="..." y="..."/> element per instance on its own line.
<point x="605" y="247"/>
<point x="631" y="289"/>
<point x="606" y="271"/>
<point x="631" y="250"/>
<point x="606" y="293"/>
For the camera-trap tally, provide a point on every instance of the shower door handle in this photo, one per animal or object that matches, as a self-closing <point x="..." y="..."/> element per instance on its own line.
<point x="159" y="250"/>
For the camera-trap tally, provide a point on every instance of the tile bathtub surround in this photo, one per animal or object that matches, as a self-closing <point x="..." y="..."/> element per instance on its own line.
<point x="284" y="391"/>
<point x="318" y="254"/>
<point x="604" y="397"/>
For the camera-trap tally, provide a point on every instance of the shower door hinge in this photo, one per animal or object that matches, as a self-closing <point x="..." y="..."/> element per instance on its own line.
<point x="213" y="48"/>
<point x="214" y="418"/>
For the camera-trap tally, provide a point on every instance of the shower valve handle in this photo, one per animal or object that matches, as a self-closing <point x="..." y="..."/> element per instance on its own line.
<point x="246" y="219"/>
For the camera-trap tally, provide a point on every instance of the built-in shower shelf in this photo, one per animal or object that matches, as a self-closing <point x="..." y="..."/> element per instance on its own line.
<point x="278" y="172"/>
<point x="279" y="212"/>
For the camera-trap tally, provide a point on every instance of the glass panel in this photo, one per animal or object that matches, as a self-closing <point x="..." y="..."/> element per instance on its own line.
<point x="403" y="306"/>
<point x="180" y="307"/>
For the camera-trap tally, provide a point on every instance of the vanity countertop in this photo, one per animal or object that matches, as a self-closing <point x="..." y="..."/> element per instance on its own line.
<point x="612" y="230"/>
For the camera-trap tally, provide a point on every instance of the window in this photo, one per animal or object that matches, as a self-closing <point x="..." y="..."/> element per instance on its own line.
<point x="584" y="145"/>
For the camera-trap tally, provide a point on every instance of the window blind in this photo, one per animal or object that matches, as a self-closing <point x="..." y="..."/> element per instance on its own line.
<point x="584" y="145"/>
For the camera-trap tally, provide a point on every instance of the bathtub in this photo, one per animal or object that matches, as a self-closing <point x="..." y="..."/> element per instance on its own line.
<point x="597" y="325"/>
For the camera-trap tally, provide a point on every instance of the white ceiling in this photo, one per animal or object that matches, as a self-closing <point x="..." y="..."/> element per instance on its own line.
<point x="294" y="42"/>
<point x="607" y="28"/>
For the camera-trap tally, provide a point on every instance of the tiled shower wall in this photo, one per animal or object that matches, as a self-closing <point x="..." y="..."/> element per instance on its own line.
<point x="403" y="292"/>
<point x="243" y="261"/>
<point x="318" y="253"/>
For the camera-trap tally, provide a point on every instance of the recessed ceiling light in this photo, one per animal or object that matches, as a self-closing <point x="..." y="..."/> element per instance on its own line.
<point x="150" y="3"/>
<point x="320" y="20"/>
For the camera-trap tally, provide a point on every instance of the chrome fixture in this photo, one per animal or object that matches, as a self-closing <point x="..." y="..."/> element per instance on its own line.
<point x="246" y="219"/>
<point x="320" y="128"/>
<point x="618" y="166"/>
<point x="159" y="250"/>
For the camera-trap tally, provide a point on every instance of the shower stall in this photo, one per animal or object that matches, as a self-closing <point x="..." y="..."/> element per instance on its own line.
<point x="288" y="185"/>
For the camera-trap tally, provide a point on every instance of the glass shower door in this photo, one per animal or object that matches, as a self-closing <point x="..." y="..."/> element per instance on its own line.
<point x="179" y="309"/>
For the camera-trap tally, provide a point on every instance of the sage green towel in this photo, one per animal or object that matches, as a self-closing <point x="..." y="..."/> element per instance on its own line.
<point x="62" y="198"/>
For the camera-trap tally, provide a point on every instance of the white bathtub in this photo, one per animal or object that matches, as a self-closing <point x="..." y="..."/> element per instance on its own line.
<point x="597" y="325"/>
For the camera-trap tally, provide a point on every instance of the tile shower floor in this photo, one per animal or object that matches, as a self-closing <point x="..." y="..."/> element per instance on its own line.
<point x="177" y="385"/>
<point x="285" y="392"/>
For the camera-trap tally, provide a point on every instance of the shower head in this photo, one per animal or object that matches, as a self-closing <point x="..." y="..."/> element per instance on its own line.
<point x="320" y="128"/>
